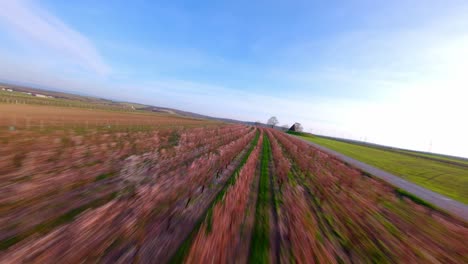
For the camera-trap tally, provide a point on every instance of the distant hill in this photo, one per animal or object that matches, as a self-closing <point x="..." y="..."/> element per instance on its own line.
<point x="193" y="115"/>
<point x="135" y="106"/>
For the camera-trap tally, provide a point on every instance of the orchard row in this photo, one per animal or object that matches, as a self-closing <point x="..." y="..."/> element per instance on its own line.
<point x="216" y="194"/>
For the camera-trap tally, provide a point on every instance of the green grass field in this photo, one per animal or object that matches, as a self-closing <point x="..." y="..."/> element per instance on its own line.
<point x="448" y="179"/>
<point x="437" y="156"/>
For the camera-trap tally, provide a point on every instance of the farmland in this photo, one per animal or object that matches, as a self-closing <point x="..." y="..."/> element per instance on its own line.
<point x="447" y="176"/>
<point x="124" y="186"/>
<point x="100" y="185"/>
<point x="44" y="118"/>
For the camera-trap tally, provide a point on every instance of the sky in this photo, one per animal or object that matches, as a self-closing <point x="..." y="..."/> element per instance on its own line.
<point x="387" y="72"/>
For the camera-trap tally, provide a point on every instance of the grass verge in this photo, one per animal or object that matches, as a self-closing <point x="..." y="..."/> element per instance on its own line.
<point x="260" y="244"/>
<point x="441" y="177"/>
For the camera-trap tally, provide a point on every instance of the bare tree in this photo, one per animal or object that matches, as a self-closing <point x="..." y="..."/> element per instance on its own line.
<point x="273" y="121"/>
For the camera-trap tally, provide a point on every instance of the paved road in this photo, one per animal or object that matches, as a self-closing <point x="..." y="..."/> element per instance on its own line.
<point x="454" y="207"/>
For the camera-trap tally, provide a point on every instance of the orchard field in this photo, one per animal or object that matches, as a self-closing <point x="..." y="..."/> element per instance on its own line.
<point x="117" y="187"/>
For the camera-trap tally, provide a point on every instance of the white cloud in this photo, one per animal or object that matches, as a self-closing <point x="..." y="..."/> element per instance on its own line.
<point x="36" y="27"/>
<point x="404" y="87"/>
<point x="242" y="104"/>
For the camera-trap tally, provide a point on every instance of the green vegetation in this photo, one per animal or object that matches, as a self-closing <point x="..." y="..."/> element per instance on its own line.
<point x="230" y="181"/>
<point x="414" y="198"/>
<point x="174" y="139"/>
<point x="104" y="176"/>
<point x="183" y="250"/>
<point x="259" y="248"/>
<point x="445" y="178"/>
<point x="439" y="157"/>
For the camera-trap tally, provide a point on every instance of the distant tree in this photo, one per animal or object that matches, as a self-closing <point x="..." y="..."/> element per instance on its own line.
<point x="273" y="121"/>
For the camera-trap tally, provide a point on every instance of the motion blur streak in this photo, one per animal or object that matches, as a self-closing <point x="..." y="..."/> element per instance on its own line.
<point x="112" y="191"/>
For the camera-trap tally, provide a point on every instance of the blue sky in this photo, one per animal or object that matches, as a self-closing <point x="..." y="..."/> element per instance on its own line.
<point x="390" y="72"/>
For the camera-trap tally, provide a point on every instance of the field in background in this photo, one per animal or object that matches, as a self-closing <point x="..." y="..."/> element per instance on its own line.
<point x="43" y="117"/>
<point x="39" y="97"/>
<point x="447" y="176"/>
<point x="438" y="157"/>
